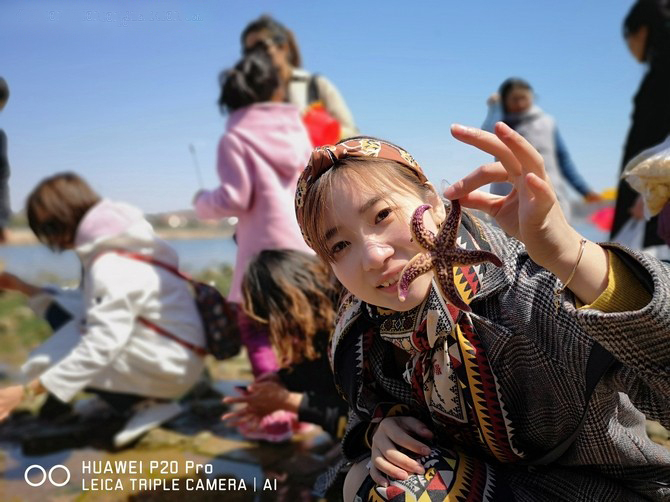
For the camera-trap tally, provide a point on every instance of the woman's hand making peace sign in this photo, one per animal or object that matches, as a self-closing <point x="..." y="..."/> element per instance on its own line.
<point x="530" y="212"/>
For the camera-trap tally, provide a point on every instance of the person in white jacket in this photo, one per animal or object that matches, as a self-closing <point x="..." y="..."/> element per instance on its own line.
<point x="123" y="353"/>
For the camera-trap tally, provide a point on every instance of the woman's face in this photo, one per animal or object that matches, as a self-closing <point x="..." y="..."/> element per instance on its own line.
<point x="370" y="240"/>
<point x="278" y="53"/>
<point x="518" y="101"/>
<point x="637" y="43"/>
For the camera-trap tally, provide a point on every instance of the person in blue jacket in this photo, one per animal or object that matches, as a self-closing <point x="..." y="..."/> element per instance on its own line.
<point x="514" y="105"/>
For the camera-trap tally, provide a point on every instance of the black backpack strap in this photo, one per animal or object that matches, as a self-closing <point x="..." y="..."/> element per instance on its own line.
<point x="600" y="360"/>
<point x="313" y="89"/>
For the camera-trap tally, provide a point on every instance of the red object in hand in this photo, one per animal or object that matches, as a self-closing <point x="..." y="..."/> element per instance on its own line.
<point x="323" y="128"/>
<point x="603" y="218"/>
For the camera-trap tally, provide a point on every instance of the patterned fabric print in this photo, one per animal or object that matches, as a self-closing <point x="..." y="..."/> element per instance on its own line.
<point x="396" y="387"/>
<point x="371" y="147"/>
<point x="450" y="476"/>
<point x="466" y="278"/>
<point x="348" y="312"/>
<point x="448" y="370"/>
<point x="483" y="395"/>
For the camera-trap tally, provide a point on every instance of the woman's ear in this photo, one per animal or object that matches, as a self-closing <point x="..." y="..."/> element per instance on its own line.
<point x="439" y="213"/>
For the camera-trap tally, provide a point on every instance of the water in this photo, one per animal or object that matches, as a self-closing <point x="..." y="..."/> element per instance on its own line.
<point x="36" y="263"/>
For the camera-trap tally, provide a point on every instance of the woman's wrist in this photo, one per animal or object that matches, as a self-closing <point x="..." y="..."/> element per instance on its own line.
<point x="582" y="267"/>
<point x="32" y="389"/>
<point x="565" y="260"/>
<point x="592" y="274"/>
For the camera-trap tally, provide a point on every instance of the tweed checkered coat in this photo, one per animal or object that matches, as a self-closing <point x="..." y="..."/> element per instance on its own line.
<point x="538" y="354"/>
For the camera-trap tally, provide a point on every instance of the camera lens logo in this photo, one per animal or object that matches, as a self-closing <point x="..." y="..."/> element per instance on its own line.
<point x="46" y="476"/>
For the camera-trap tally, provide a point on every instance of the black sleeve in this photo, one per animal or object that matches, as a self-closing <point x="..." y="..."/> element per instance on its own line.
<point x="328" y="411"/>
<point x="321" y="403"/>
<point x="5" y="211"/>
<point x="4" y="162"/>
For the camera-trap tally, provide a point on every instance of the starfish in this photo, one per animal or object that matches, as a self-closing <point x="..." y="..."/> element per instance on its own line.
<point x="442" y="254"/>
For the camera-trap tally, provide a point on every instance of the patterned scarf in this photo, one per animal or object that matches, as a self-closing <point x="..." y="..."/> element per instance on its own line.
<point x="448" y="370"/>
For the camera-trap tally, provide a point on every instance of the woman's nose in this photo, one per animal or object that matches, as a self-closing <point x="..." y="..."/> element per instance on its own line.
<point x="375" y="254"/>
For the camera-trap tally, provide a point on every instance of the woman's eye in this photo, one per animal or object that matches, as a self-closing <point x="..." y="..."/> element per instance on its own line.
<point x="340" y="246"/>
<point x="383" y="214"/>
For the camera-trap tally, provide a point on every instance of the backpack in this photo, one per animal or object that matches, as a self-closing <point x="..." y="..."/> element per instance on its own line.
<point x="219" y="316"/>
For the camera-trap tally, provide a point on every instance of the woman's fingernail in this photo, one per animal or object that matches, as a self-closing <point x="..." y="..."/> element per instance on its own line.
<point x="420" y="470"/>
<point x="458" y="128"/>
<point x="444" y="184"/>
<point x="425" y="451"/>
<point x="502" y="128"/>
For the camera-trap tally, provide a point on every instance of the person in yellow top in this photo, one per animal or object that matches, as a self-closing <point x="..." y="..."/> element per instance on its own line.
<point x="512" y="363"/>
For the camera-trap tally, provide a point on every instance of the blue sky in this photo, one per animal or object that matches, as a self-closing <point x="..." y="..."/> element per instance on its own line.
<point x="117" y="89"/>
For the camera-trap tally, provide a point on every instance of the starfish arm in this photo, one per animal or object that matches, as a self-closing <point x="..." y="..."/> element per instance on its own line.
<point x="447" y="286"/>
<point x="473" y="257"/>
<point x="417" y="266"/>
<point x="449" y="231"/>
<point x="424" y="237"/>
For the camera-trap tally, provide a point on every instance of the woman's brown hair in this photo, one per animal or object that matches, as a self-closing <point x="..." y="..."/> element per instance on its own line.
<point x="56" y="206"/>
<point x="295" y="295"/>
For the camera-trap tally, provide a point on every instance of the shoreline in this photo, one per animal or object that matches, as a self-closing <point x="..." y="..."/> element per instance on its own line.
<point x="25" y="237"/>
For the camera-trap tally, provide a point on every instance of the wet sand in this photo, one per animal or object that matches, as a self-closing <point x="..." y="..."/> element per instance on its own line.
<point x="194" y="457"/>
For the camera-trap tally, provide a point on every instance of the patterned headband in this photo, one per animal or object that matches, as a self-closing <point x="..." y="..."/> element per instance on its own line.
<point x="324" y="157"/>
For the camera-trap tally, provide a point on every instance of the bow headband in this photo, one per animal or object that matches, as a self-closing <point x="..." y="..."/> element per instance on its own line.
<point x="324" y="157"/>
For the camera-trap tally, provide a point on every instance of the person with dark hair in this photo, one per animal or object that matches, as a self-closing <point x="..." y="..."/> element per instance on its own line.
<point x="646" y="30"/>
<point x="303" y="88"/>
<point x="253" y="80"/>
<point x="5" y="211"/>
<point x="139" y="341"/>
<point x="514" y="105"/>
<point x="293" y="294"/>
<point x="260" y="157"/>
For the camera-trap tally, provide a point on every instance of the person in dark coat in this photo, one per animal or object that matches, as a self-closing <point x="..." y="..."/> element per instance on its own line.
<point x="647" y="33"/>
<point x="4" y="166"/>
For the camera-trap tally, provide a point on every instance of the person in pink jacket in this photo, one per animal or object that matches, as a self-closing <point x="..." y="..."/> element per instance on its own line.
<point x="260" y="156"/>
